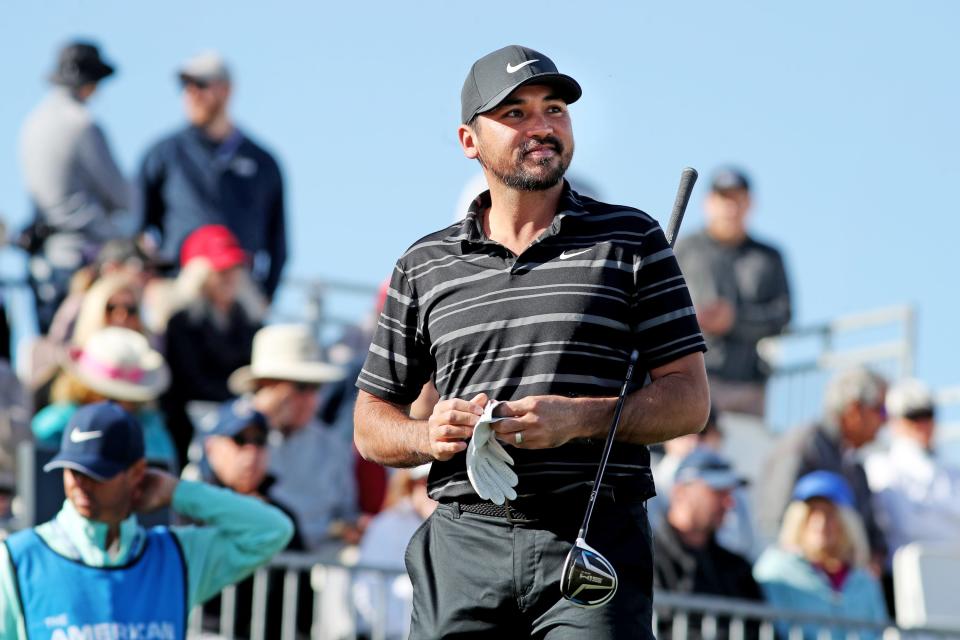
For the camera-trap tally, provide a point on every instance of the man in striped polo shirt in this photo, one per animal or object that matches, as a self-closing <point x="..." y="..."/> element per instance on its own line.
<point x="536" y="298"/>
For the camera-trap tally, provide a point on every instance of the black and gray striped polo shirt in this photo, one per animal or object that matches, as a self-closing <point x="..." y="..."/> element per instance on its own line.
<point x="561" y="319"/>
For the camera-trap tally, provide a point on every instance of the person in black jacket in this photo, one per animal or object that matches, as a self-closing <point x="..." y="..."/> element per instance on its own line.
<point x="212" y="333"/>
<point x="687" y="557"/>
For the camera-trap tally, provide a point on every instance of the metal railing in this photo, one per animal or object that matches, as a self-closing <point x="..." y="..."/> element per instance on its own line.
<point x="335" y="616"/>
<point x="804" y="358"/>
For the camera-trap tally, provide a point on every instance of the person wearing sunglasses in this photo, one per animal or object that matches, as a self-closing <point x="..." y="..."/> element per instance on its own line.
<point x="917" y="491"/>
<point x="313" y="464"/>
<point x="212" y="172"/>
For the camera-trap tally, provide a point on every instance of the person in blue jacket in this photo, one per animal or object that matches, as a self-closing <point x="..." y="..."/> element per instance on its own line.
<point x="819" y="564"/>
<point x="93" y="571"/>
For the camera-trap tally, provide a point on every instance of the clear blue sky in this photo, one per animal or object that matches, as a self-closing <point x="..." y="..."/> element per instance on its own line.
<point x="845" y="113"/>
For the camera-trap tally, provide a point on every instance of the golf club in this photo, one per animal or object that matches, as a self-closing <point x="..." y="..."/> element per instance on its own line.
<point x="588" y="579"/>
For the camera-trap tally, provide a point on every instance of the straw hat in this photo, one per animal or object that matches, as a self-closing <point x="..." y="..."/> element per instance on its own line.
<point x="119" y="364"/>
<point x="284" y="352"/>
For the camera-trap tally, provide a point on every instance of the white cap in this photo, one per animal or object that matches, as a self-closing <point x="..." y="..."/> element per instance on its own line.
<point x="908" y="397"/>
<point x="208" y="66"/>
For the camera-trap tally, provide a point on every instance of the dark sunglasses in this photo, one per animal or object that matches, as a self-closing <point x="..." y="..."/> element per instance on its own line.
<point x="192" y="82"/>
<point x="131" y="309"/>
<point x="921" y="414"/>
<point x="257" y="440"/>
<point x="306" y="387"/>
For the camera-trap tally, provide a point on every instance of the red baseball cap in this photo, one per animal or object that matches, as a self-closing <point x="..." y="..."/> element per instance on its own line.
<point x="215" y="243"/>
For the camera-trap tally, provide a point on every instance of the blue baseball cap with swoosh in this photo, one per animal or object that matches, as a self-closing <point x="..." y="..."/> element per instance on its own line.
<point x="100" y="441"/>
<point x="496" y="75"/>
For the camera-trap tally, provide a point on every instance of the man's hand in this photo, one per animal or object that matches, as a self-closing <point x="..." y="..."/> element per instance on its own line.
<point x="717" y="317"/>
<point x="451" y="425"/>
<point x="545" y="422"/>
<point x="155" y="491"/>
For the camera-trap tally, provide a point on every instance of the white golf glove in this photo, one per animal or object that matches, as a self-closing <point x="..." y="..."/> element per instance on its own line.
<point x="488" y="463"/>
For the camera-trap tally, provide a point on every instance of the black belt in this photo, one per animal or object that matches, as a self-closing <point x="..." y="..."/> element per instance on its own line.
<point x="546" y="507"/>
<point x="506" y="510"/>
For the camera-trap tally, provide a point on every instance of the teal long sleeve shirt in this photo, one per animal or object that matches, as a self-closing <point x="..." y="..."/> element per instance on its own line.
<point x="238" y="534"/>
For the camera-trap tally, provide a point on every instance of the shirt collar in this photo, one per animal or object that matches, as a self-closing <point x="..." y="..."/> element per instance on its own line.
<point x="470" y="228"/>
<point x="88" y="538"/>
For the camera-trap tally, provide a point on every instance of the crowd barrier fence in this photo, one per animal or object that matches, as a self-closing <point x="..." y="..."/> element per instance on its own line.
<point x="676" y="616"/>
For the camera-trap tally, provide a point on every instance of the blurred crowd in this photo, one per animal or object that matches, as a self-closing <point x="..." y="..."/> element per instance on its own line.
<point x="154" y="293"/>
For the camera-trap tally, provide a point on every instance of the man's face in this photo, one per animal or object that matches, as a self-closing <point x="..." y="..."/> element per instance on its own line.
<point x="860" y="422"/>
<point x="204" y="101"/>
<point x="240" y="462"/>
<point x="727" y="213"/>
<point x="708" y="506"/>
<point x="526" y="143"/>
<point x="108" y="501"/>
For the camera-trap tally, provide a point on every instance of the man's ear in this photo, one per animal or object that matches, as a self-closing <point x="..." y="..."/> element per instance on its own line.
<point x="468" y="140"/>
<point x="137" y="471"/>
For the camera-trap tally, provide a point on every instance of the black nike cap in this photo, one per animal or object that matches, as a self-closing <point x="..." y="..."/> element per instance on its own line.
<point x="496" y="75"/>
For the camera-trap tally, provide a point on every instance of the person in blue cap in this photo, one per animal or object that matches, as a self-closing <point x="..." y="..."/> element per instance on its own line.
<point x="819" y="564"/>
<point x="94" y="571"/>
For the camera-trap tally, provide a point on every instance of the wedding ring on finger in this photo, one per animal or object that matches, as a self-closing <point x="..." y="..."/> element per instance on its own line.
<point x="518" y="437"/>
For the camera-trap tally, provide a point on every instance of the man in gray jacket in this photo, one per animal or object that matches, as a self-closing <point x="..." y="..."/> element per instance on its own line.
<point x="740" y="291"/>
<point x="77" y="191"/>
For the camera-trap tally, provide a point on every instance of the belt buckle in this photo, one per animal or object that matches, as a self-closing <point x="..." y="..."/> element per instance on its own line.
<point x="510" y="517"/>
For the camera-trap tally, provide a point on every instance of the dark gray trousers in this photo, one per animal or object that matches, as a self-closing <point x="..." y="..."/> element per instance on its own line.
<point x="484" y="577"/>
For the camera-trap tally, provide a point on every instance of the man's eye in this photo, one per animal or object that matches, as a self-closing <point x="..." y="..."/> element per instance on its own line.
<point x="513" y="113"/>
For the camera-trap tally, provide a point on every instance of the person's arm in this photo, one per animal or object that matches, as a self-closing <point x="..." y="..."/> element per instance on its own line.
<point x="149" y="192"/>
<point x="276" y="240"/>
<point x="237" y="535"/>
<point x="758" y="319"/>
<point x="11" y="615"/>
<point x="98" y="163"/>
<point x="386" y="434"/>
<point x="675" y="403"/>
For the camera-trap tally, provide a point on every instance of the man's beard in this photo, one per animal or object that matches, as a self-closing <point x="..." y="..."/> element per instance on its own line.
<point x="516" y="176"/>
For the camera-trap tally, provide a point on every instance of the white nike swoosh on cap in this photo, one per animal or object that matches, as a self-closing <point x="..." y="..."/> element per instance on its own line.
<point x="570" y="254"/>
<point x="83" y="436"/>
<point x="514" y="69"/>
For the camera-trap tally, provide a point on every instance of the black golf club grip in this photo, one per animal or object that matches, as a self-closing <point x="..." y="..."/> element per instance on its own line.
<point x="688" y="178"/>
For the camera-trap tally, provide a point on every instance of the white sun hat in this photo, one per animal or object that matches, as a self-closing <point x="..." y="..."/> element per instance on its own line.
<point x="119" y="364"/>
<point x="284" y="352"/>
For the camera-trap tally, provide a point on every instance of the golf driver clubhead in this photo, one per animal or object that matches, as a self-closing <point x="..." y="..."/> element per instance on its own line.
<point x="588" y="579"/>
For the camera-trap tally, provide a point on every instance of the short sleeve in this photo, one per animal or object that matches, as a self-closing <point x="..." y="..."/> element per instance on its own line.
<point x="663" y="318"/>
<point x="399" y="361"/>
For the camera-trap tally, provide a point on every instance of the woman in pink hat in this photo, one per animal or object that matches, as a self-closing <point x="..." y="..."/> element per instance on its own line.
<point x="114" y="364"/>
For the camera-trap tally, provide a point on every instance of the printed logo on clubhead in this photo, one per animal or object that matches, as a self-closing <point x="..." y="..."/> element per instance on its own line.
<point x="514" y="69"/>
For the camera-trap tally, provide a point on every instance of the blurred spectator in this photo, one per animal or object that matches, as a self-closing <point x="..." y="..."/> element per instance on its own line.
<point x="94" y="567"/>
<point x="237" y="457"/>
<point x="211" y="335"/>
<point x="917" y="495"/>
<point x="383" y="546"/>
<point x="112" y="301"/>
<point x="15" y="412"/>
<point x="74" y="183"/>
<point x="687" y="557"/>
<point x="211" y="172"/>
<point x="737" y="533"/>
<point x="853" y="414"/>
<point x="313" y="465"/>
<point x="819" y="564"/>
<point x="115" y="364"/>
<point x="740" y="291"/>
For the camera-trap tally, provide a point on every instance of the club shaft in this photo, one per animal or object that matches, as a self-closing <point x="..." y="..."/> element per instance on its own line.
<point x="608" y="445"/>
<point x="688" y="178"/>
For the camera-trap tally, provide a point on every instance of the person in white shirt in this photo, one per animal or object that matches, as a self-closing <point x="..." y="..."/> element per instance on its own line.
<point x="917" y="496"/>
